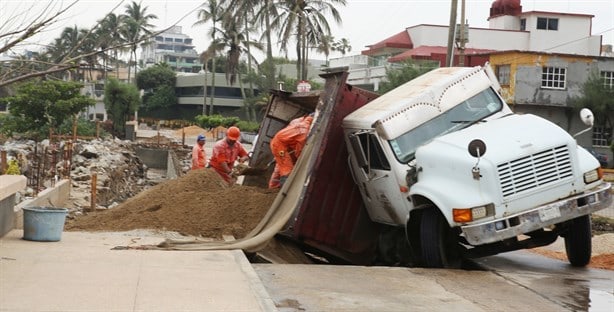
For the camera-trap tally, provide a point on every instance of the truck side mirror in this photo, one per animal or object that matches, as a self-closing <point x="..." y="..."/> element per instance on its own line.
<point x="477" y="148"/>
<point x="587" y="117"/>
<point x="357" y="148"/>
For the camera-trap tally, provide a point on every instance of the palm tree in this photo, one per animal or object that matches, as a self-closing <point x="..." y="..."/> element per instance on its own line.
<point x="305" y="21"/>
<point x="135" y="27"/>
<point x="110" y="37"/>
<point x="233" y="39"/>
<point x="325" y="46"/>
<point x="243" y="12"/>
<point x="263" y="17"/>
<point x="67" y="46"/>
<point x="342" y="46"/>
<point x="210" y="11"/>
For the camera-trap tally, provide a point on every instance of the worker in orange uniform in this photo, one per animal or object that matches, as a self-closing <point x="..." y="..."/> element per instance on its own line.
<point x="226" y="152"/>
<point x="286" y="147"/>
<point x="199" y="156"/>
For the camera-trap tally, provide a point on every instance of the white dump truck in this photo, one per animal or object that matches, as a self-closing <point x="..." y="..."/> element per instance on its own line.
<point x="445" y="157"/>
<point x="433" y="172"/>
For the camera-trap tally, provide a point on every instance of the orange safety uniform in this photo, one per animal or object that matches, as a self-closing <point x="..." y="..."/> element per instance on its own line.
<point x="288" y="143"/>
<point x="228" y="154"/>
<point x="199" y="156"/>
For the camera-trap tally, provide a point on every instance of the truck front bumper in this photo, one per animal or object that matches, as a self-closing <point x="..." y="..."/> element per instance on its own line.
<point x="540" y="217"/>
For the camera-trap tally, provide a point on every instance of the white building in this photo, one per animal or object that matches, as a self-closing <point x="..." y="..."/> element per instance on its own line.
<point x="509" y="29"/>
<point x="175" y="49"/>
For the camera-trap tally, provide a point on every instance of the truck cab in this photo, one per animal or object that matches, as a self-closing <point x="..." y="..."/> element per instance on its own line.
<point x="444" y="157"/>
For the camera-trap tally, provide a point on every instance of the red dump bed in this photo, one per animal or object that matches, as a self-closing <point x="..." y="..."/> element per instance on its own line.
<point x="331" y="218"/>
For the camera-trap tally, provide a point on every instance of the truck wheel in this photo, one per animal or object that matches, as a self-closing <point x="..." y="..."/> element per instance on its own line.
<point x="578" y="241"/>
<point x="440" y="248"/>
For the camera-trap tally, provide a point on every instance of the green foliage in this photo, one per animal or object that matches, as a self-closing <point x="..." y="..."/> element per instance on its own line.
<point x="290" y="84"/>
<point x="248" y="126"/>
<point x="408" y="70"/>
<point x="158" y="82"/>
<point x="39" y="105"/>
<point x="84" y="127"/>
<point x="213" y="121"/>
<point x="598" y="98"/>
<point x="161" y="97"/>
<point x="13" y="168"/>
<point x="120" y="101"/>
<point x="156" y="76"/>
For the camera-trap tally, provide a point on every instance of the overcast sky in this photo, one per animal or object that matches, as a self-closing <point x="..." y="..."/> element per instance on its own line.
<point x="365" y="22"/>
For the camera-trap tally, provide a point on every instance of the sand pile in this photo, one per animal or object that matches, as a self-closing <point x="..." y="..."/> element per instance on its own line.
<point x="198" y="203"/>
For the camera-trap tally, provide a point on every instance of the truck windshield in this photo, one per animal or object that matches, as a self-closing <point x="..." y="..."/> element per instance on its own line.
<point x="460" y="116"/>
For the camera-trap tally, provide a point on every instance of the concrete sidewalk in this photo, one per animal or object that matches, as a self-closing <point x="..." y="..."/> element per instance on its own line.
<point x="82" y="273"/>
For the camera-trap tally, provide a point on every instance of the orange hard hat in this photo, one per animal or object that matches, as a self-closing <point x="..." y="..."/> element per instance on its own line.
<point x="233" y="133"/>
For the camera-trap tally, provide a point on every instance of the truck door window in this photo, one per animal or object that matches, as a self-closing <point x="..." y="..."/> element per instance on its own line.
<point x="371" y="150"/>
<point x="460" y="116"/>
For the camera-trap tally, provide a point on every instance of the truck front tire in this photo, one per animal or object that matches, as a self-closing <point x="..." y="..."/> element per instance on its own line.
<point x="578" y="241"/>
<point x="440" y="247"/>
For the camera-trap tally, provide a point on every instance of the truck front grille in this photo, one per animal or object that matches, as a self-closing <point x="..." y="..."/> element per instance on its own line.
<point x="535" y="171"/>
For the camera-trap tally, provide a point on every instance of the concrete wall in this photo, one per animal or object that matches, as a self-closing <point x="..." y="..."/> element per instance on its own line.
<point x="9" y="185"/>
<point x="51" y="197"/>
<point x="153" y="158"/>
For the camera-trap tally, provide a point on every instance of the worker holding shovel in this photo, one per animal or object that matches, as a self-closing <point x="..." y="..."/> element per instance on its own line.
<point x="226" y="152"/>
<point x="286" y="147"/>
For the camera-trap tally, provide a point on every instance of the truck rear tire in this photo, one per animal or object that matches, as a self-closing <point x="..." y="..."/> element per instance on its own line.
<point x="578" y="241"/>
<point x="440" y="247"/>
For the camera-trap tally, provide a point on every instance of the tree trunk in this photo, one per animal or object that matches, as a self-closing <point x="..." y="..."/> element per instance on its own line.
<point x="212" y="86"/>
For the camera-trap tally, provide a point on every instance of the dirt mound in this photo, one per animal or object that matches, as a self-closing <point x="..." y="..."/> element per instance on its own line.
<point x="190" y="131"/>
<point x="198" y="203"/>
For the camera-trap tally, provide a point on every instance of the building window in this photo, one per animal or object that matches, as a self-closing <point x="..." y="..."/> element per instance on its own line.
<point x="503" y="74"/>
<point x="523" y="24"/>
<point x="608" y="79"/>
<point x="547" y="23"/>
<point x="602" y="136"/>
<point x="553" y="78"/>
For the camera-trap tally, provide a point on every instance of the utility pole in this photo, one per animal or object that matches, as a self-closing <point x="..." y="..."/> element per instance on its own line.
<point x="461" y="49"/>
<point x="451" y="32"/>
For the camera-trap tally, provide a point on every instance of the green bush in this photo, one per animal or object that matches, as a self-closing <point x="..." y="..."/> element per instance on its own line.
<point x="248" y="126"/>
<point x="84" y="127"/>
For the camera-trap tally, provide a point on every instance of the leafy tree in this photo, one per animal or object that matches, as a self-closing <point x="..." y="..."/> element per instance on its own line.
<point x="408" y="70"/>
<point x="158" y="82"/>
<point x="155" y="76"/>
<point x="161" y="97"/>
<point x="598" y="97"/>
<point x="38" y="105"/>
<point x="120" y="101"/>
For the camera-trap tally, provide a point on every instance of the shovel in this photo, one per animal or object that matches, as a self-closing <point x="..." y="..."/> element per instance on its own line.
<point x="254" y="171"/>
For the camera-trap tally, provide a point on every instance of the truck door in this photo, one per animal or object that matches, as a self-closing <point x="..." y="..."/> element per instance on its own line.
<point x="372" y="173"/>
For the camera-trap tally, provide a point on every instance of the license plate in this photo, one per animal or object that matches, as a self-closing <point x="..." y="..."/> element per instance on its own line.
<point x="549" y="213"/>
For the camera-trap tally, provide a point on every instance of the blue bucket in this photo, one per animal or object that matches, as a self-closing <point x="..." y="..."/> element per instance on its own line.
<point x="43" y="224"/>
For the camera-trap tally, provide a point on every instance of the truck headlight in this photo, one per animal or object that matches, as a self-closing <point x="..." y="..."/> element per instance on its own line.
<point x="462" y="215"/>
<point x="593" y="175"/>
